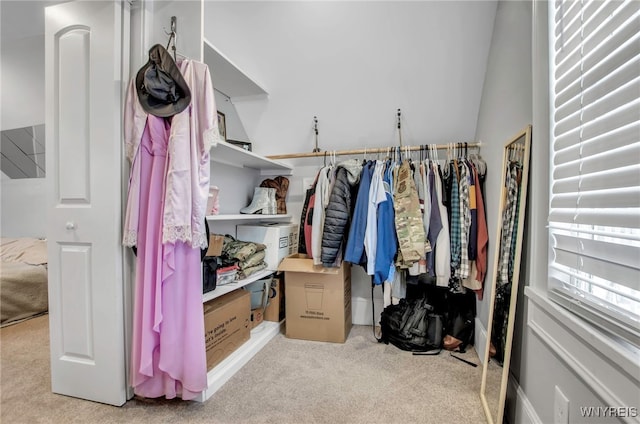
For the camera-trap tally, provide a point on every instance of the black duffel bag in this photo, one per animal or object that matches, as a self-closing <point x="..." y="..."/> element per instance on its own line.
<point x="411" y="325"/>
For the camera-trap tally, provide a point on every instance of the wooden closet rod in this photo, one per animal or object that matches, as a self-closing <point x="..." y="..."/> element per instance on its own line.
<point x="372" y="151"/>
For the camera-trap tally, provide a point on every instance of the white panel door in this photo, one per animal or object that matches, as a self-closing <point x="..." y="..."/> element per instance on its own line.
<point x="84" y="96"/>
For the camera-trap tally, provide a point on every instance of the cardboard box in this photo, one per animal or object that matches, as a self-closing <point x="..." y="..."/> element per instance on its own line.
<point x="257" y="316"/>
<point x="227" y="325"/>
<point x="216" y="242"/>
<point x="281" y="240"/>
<point x="317" y="300"/>
<point x="275" y="311"/>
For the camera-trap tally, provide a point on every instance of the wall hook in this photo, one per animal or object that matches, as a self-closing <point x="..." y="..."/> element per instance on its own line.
<point x="315" y="128"/>
<point x="399" y="127"/>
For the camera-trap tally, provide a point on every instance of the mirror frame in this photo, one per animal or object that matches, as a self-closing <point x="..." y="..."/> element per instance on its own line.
<point x="526" y="134"/>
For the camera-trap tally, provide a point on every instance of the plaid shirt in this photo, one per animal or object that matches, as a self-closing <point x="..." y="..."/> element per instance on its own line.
<point x="515" y="222"/>
<point x="508" y="223"/>
<point x="455" y="220"/>
<point x="465" y="222"/>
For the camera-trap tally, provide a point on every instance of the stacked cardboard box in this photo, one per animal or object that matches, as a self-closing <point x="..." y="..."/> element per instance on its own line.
<point x="318" y="300"/>
<point x="227" y="325"/>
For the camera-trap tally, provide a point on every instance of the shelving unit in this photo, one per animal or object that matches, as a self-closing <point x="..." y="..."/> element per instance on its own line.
<point x="229" y="79"/>
<point x="228" y="154"/>
<point x="247" y="217"/>
<point x="260" y="336"/>
<point x="234" y="83"/>
<point x="227" y="288"/>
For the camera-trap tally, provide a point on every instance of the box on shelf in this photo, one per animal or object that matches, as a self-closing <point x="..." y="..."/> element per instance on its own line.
<point x="257" y="316"/>
<point x="317" y="300"/>
<point x="275" y="311"/>
<point x="281" y="240"/>
<point x="215" y="245"/>
<point x="227" y="325"/>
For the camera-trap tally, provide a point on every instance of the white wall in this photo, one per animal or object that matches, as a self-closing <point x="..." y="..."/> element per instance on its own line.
<point x="22" y="79"/>
<point x="22" y="104"/>
<point x="353" y="64"/>
<point x="22" y="208"/>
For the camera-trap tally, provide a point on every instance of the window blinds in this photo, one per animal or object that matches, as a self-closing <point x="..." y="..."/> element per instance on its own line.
<point x="594" y="217"/>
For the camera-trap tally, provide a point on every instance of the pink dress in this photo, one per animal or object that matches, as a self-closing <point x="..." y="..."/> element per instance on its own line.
<point x="168" y="350"/>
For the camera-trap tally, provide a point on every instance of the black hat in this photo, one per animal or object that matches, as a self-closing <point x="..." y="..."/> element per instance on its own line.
<point x="162" y="91"/>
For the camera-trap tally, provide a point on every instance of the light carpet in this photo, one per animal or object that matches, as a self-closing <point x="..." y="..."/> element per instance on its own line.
<point x="289" y="381"/>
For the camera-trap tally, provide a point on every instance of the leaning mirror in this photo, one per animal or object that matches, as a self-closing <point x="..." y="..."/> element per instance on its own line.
<point x="506" y="276"/>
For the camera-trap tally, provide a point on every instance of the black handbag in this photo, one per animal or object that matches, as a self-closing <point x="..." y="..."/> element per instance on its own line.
<point x="210" y="265"/>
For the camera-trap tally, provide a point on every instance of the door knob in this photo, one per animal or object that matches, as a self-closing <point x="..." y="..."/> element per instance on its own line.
<point x="71" y="225"/>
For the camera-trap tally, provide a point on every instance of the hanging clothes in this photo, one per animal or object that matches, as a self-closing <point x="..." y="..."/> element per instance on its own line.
<point x="354" y="252"/>
<point x="508" y="222"/>
<point x="339" y="210"/>
<point x="426" y="215"/>
<point x="435" y="220"/>
<point x="321" y="200"/>
<point x="443" y="242"/>
<point x="409" y="226"/>
<point x="483" y="234"/>
<point x="454" y="218"/>
<point x="304" y="237"/>
<point x="465" y="220"/>
<point x="387" y="240"/>
<point x="166" y="202"/>
<point x="377" y="195"/>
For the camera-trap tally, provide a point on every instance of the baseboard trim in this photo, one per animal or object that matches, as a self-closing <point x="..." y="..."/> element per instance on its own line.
<point x="480" y="339"/>
<point x="529" y="415"/>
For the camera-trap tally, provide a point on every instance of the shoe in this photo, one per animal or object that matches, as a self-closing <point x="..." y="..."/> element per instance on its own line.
<point x="263" y="202"/>
<point x="213" y="203"/>
<point x="271" y="184"/>
<point x="281" y="194"/>
<point x="281" y="185"/>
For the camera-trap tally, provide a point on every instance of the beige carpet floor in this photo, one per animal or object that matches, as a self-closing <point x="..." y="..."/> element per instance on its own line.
<point x="289" y="381"/>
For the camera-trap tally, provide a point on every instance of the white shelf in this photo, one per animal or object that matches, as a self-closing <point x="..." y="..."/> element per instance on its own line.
<point x="228" y="154"/>
<point x="220" y="374"/>
<point x="227" y="288"/>
<point x="247" y="217"/>
<point x="228" y="78"/>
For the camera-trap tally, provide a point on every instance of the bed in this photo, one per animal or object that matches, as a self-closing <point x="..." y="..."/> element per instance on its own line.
<point x="23" y="279"/>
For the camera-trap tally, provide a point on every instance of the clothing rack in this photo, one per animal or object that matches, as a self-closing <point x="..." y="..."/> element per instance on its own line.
<point x="424" y="147"/>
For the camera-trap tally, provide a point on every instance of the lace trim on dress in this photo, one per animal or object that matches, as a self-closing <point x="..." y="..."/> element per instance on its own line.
<point x="130" y="238"/>
<point x="199" y="240"/>
<point x="174" y="233"/>
<point x="183" y="233"/>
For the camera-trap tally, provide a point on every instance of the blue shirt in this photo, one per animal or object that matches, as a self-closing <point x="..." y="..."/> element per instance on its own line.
<point x="387" y="243"/>
<point x="354" y="252"/>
